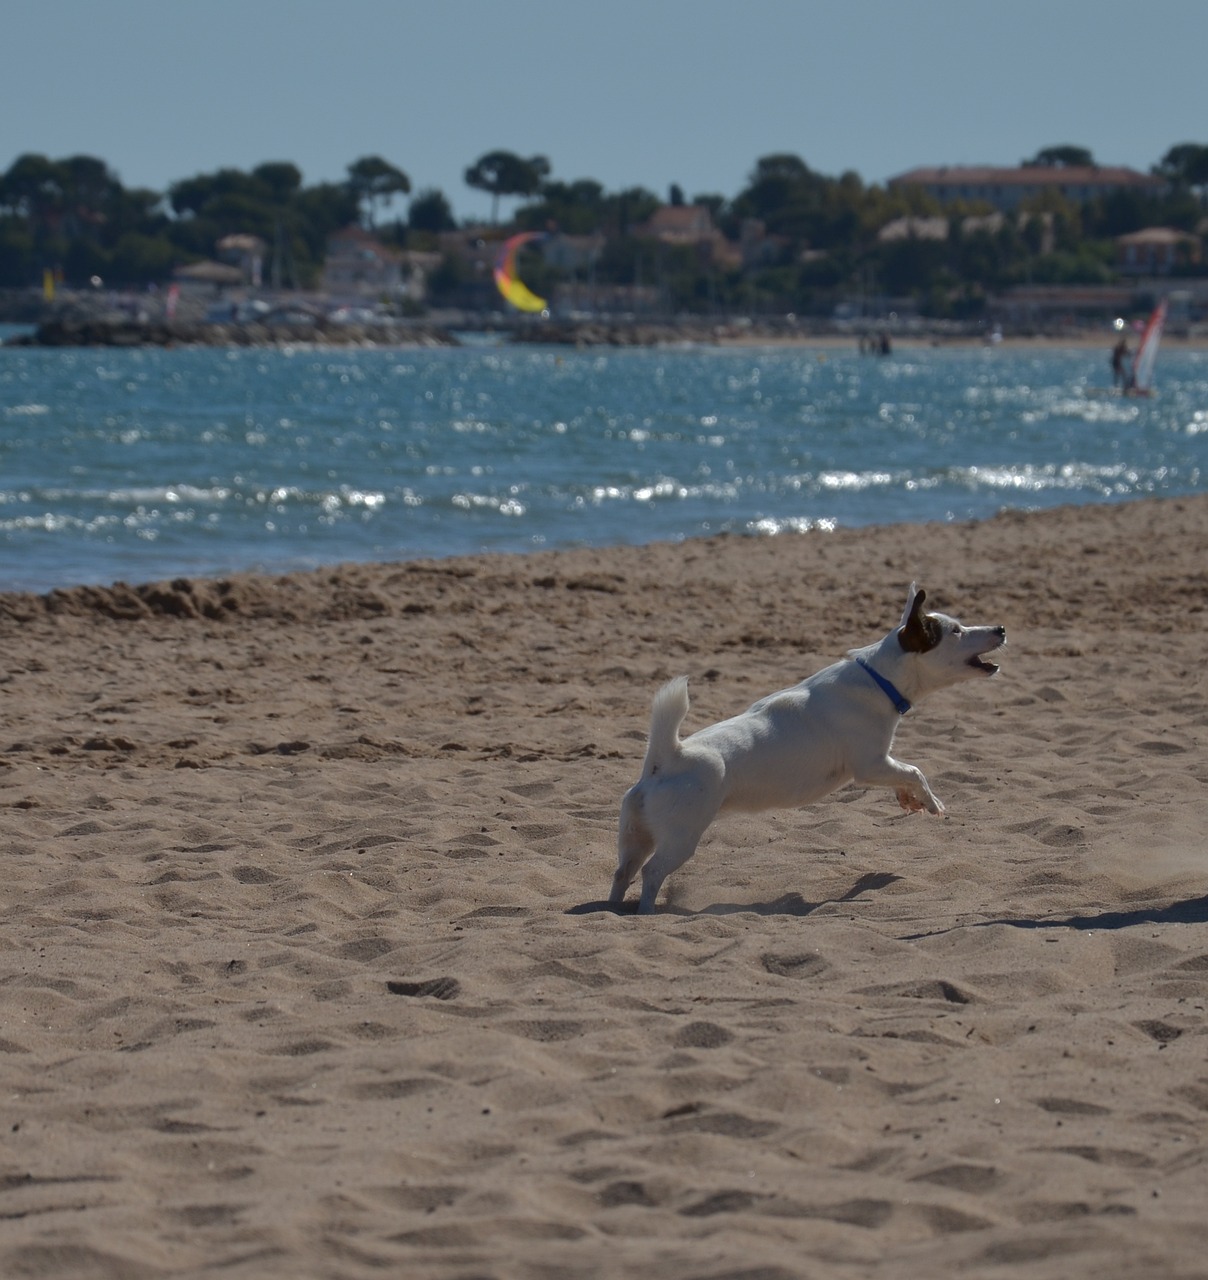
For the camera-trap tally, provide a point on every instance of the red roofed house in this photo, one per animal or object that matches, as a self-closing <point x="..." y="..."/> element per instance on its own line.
<point x="1156" y="251"/>
<point x="680" y="224"/>
<point x="691" y="225"/>
<point x="1007" y="189"/>
<point x="359" y="264"/>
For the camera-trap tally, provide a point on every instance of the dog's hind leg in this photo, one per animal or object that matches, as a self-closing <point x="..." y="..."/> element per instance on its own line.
<point x="671" y="854"/>
<point x="634" y="843"/>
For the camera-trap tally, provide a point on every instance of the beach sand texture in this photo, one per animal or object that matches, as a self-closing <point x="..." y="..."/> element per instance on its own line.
<point x="303" y="972"/>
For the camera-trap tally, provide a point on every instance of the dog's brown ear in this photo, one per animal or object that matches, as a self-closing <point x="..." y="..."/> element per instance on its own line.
<point x="919" y="632"/>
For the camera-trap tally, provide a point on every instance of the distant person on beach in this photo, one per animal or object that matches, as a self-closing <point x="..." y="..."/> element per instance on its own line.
<point x="1120" y="364"/>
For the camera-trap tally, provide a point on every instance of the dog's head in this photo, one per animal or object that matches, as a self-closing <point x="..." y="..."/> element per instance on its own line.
<point x="946" y="650"/>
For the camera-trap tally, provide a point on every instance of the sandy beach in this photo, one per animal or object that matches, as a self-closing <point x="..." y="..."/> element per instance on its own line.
<point x="306" y="973"/>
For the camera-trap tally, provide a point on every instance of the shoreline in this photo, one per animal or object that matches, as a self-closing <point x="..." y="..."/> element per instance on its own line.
<point x="214" y="595"/>
<point x="314" y="330"/>
<point x="254" y="592"/>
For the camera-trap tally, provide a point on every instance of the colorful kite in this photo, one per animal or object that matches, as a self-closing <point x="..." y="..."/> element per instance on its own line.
<point x="508" y="282"/>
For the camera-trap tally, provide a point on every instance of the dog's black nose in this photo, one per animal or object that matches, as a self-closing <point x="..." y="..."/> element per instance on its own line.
<point x="1000" y="632"/>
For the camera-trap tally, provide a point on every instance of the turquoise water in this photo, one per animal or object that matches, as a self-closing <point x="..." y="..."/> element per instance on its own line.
<point x="145" y="464"/>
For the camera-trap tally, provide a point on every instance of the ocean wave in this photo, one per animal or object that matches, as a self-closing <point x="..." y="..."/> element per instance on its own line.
<point x="259" y="456"/>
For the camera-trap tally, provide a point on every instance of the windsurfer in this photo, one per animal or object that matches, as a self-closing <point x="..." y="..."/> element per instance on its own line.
<point x="1121" y="372"/>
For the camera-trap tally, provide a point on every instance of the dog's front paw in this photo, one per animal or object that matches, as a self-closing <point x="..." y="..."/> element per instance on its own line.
<point x="909" y="801"/>
<point x="926" y="803"/>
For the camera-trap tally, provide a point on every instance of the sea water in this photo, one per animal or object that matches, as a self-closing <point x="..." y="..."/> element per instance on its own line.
<point x="143" y="464"/>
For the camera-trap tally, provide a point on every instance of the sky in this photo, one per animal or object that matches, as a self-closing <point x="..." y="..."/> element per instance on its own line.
<point x="626" y="92"/>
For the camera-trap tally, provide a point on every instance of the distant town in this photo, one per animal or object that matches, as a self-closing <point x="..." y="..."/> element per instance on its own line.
<point x="1056" y="241"/>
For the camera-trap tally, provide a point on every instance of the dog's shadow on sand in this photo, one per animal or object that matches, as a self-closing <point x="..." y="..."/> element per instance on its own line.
<point x="788" y="904"/>
<point x="1185" y="911"/>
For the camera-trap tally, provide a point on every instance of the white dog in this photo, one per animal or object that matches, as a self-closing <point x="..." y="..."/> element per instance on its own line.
<point x="792" y="747"/>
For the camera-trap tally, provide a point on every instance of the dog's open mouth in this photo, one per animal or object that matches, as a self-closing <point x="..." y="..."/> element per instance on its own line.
<point x="978" y="662"/>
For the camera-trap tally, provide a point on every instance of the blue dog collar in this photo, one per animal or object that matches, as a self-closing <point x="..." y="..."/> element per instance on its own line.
<point x="900" y="705"/>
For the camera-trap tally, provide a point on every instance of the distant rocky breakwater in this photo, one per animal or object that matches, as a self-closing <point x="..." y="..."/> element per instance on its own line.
<point x="83" y="329"/>
<point x="109" y="331"/>
<point x="646" y="333"/>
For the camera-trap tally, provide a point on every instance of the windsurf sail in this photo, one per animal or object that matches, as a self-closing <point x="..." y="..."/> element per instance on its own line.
<point x="1147" y="352"/>
<point x="508" y="282"/>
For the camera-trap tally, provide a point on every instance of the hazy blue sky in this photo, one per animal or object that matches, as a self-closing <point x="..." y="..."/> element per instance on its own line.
<point x="629" y="92"/>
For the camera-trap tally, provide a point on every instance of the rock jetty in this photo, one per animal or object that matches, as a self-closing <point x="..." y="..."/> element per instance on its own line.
<point x="92" y="331"/>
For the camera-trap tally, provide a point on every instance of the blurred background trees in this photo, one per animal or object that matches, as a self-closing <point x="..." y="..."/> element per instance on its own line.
<point x="791" y="239"/>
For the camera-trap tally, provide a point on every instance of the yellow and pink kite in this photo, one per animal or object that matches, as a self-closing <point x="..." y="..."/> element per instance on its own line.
<point x="508" y="282"/>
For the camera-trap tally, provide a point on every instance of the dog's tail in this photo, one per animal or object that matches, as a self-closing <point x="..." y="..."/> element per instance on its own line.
<point x="666" y="716"/>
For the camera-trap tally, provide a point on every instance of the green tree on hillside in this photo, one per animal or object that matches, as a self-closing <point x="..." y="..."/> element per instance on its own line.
<point x="576" y="208"/>
<point x="1062" y="157"/>
<point x="1186" y="166"/>
<point x="33" y="189"/>
<point x="281" y="178"/>
<point x="270" y="202"/>
<point x="68" y="214"/>
<point x="430" y="211"/>
<point x="808" y="239"/>
<point x="502" y="173"/>
<point x="374" y="181"/>
<point x="793" y="201"/>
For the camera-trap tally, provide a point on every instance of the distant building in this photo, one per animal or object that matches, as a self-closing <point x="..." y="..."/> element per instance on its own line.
<point x="937" y="227"/>
<point x="680" y="224"/>
<point x="476" y="247"/>
<point x="607" y="299"/>
<point x="691" y="226"/>
<point x="571" y="253"/>
<point x="757" y="248"/>
<point x="359" y="265"/>
<point x="1006" y="189"/>
<point x="209" y="274"/>
<point x="913" y="229"/>
<point x="245" y="252"/>
<point x="1156" y="251"/>
<point x="1064" y="304"/>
